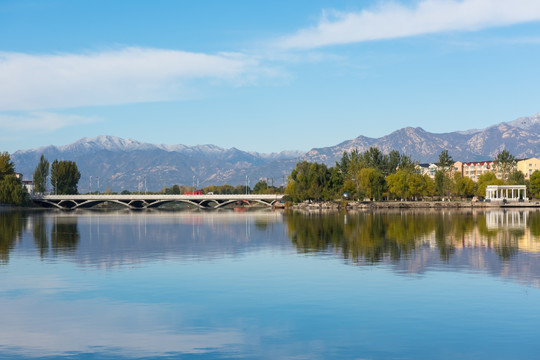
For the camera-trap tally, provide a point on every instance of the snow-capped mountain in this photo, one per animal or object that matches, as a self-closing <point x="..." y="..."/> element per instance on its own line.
<point x="125" y="163"/>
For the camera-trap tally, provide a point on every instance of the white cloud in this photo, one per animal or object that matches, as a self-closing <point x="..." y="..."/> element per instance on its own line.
<point x="392" y="20"/>
<point x="42" y="121"/>
<point x="129" y="75"/>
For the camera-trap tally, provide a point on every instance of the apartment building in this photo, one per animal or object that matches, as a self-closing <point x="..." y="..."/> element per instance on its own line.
<point x="528" y="166"/>
<point x="475" y="169"/>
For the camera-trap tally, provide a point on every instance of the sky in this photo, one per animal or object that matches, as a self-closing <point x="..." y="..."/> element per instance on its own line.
<point x="262" y="76"/>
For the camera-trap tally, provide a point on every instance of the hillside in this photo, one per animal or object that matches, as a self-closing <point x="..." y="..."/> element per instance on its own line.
<point x="124" y="164"/>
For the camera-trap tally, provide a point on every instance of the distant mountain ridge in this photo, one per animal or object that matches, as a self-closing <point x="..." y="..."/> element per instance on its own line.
<point x="124" y="164"/>
<point x="520" y="137"/>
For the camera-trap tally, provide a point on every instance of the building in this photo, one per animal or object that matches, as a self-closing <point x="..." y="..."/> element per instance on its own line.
<point x="475" y="169"/>
<point x="29" y="186"/>
<point x="528" y="166"/>
<point x="506" y="193"/>
<point x="428" y="169"/>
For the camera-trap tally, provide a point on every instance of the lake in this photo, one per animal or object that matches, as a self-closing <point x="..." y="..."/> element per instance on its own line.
<point x="270" y="285"/>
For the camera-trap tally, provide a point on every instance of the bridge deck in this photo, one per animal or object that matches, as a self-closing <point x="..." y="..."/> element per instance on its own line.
<point x="143" y="201"/>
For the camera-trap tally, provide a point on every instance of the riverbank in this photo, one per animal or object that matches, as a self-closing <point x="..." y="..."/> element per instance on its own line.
<point x="352" y="205"/>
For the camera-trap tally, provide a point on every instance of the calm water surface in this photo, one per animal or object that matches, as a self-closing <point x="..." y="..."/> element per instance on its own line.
<point x="270" y="285"/>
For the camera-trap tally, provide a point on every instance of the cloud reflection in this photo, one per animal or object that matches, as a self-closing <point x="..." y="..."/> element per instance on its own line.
<point x="34" y="327"/>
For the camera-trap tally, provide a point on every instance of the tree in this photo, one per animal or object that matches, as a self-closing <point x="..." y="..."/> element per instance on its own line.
<point x="394" y="160"/>
<point x="12" y="191"/>
<point x="446" y="163"/>
<point x="40" y="175"/>
<point x="64" y="177"/>
<point x="6" y="165"/>
<point x="505" y="163"/>
<point x="464" y="186"/>
<point x="535" y="184"/>
<point x="516" y="178"/>
<point x="260" y="187"/>
<point x="486" y="179"/>
<point x="443" y="183"/>
<point x="309" y="181"/>
<point x="420" y="185"/>
<point x="371" y="182"/>
<point x="398" y="184"/>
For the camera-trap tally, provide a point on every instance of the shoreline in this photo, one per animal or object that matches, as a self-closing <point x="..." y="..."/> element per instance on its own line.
<point x="354" y="205"/>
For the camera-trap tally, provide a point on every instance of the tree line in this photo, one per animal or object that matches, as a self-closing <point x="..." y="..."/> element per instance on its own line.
<point x="64" y="177"/>
<point x="260" y="187"/>
<point x="376" y="176"/>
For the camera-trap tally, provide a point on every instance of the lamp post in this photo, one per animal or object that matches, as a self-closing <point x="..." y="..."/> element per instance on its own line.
<point x="97" y="184"/>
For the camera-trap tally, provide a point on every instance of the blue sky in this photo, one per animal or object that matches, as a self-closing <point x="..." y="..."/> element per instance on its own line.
<point x="262" y="76"/>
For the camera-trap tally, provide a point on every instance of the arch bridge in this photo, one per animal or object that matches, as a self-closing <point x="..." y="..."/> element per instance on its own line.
<point x="67" y="202"/>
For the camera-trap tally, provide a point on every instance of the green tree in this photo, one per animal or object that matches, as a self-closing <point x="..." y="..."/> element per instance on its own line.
<point x="6" y="165"/>
<point x="535" y="185"/>
<point x="516" y="178"/>
<point x="505" y="163"/>
<point x="443" y="183"/>
<point x="309" y="181"/>
<point x="393" y="162"/>
<point x="445" y="163"/>
<point x="398" y="184"/>
<point x="40" y="175"/>
<point x="486" y="179"/>
<point x="260" y="187"/>
<point x="371" y="182"/>
<point x="12" y="191"/>
<point x="64" y="177"/>
<point x="464" y="186"/>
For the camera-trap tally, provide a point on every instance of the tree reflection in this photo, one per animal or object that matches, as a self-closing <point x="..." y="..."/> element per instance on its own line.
<point x="12" y="224"/>
<point x="375" y="236"/>
<point x="369" y="237"/>
<point x="64" y="234"/>
<point x="40" y="235"/>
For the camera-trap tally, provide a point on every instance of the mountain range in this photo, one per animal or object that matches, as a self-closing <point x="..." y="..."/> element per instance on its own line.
<point x="126" y="164"/>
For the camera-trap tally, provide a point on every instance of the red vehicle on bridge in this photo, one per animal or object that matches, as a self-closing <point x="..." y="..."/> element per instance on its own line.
<point x="196" y="192"/>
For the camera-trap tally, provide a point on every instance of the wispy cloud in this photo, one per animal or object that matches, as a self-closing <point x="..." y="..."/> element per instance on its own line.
<point x="42" y="121"/>
<point x="128" y="75"/>
<point x="392" y="20"/>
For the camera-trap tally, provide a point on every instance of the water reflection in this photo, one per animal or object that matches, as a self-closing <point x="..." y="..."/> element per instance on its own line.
<point x="366" y="237"/>
<point x="12" y="224"/>
<point x="376" y="236"/>
<point x="227" y="285"/>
